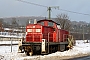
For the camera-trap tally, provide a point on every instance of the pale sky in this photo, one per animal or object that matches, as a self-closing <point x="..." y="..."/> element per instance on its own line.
<point x="13" y="8"/>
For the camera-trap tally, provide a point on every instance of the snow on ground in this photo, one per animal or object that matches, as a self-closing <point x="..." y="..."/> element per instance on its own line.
<point x="9" y="42"/>
<point x="79" y="49"/>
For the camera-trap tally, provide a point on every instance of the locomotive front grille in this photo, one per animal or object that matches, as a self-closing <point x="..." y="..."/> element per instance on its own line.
<point x="33" y="38"/>
<point x="29" y="38"/>
<point x="37" y="38"/>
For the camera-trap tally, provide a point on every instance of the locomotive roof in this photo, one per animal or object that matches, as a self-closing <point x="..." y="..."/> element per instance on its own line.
<point x="47" y="20"/>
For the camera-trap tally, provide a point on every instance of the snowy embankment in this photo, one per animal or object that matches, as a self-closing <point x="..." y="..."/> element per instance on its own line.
<point x="80" y="49"/>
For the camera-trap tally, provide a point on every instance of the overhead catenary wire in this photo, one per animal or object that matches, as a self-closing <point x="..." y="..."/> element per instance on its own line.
<point x="31" y="3"/>
<point x="74" y="12"/>
<point x="47" y="7"/>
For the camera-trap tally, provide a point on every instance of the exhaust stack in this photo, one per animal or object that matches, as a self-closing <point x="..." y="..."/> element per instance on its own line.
<point x="35" y="21"/>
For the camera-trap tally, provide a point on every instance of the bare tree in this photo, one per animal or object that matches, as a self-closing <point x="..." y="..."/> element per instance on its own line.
<point x="64" y="21"/>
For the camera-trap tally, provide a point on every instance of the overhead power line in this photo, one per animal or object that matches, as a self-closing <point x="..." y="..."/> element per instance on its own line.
<point x="74" y="12"/>
<point x="47" y="7"/>
<point x="31" y="3"/>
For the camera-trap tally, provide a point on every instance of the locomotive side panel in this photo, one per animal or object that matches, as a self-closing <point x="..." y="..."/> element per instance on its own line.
<point x="63" y="35"/>
<point x="48" y="33"/>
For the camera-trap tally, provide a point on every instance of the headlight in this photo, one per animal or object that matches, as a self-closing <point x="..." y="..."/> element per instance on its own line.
<point x="38" y="30"/>
<point x="29" y="30"/>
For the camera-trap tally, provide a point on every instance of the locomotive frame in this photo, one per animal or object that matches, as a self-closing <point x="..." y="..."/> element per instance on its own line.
<point x="42" y="38"/>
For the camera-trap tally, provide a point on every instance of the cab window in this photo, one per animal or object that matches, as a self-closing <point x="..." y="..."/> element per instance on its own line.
<point x="42" y="23"/>
<point x="31" y="22"/>
<point x="50" y="23"/>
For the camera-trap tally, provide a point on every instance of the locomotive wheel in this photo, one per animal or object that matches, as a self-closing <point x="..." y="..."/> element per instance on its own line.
<point x="28" y="51"/>
<point x="62" y="48"/>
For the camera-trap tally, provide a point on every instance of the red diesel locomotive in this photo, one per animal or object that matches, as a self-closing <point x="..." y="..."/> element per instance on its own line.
<point x="44" y="37"/>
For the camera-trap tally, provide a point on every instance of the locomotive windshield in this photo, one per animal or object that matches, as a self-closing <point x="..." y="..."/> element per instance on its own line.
<point x="50" y="23"/>
<point x="42" y="23"/>
<point x="31" y="22"/>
